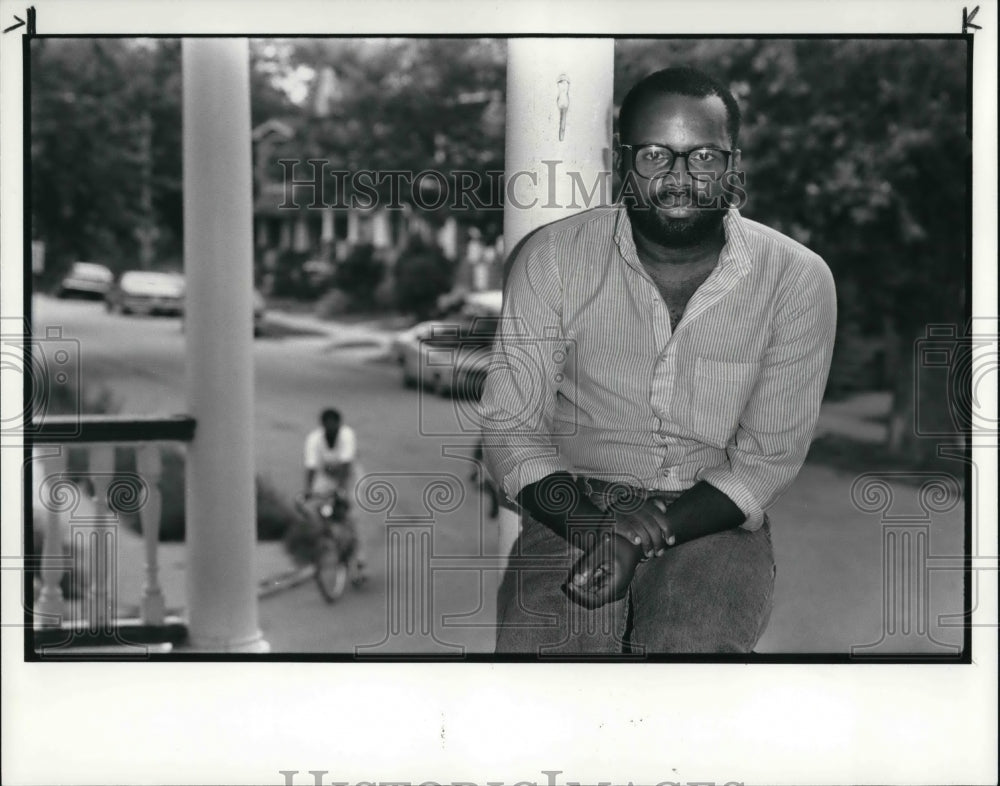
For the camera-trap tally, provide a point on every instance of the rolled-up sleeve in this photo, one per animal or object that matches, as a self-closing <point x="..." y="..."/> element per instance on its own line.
<point x="519" y="395"/>
<point x="776" y="427"/>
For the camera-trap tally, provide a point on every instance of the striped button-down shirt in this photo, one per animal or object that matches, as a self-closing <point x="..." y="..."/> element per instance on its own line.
<point x="588" y="377"/>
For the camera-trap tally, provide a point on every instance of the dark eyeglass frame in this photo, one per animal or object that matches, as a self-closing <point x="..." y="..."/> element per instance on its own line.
<point x="633" y="149"/>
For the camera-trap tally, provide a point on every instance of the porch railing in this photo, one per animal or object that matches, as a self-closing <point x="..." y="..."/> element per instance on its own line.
<point x="78" y="507"/>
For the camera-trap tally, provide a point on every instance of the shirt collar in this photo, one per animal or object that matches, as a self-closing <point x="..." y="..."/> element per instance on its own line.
<point x="736" y="252"/>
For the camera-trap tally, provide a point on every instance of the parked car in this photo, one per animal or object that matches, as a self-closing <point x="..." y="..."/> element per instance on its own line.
<point x="486" y="302"/>
<point x="86" y="279"/>
<point x="449" y="357"/>
<point x="409" y="338"/>
<point x="147" y="292"/>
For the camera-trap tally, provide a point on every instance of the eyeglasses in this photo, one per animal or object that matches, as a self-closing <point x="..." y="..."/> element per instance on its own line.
<point x="653" y="160"/>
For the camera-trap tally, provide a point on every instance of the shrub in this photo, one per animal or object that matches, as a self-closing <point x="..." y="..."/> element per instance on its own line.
<point x="423" y="273"/>
<point x="289" y="279"/>
<point x="359" y="275"/>
<point x="274" y="513"/>
<point x="302" y="540"/>
<point x="385" y="295"/>
<point x="333" y="304"/>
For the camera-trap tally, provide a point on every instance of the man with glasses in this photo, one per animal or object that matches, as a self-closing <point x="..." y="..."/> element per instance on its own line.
<point x="655" y="385"/>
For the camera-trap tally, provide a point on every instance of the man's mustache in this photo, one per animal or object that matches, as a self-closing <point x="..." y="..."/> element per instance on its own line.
<point x="674" y="192"/>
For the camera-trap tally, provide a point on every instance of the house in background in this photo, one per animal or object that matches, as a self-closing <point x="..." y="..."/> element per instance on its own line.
<point x="293" y="225"/>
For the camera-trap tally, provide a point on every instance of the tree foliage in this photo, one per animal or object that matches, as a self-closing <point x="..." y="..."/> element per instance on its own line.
<point x="105" y="143"/>
<point x="106" y="156"/>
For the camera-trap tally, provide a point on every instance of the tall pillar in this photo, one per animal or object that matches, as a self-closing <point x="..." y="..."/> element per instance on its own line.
<point x="559" y="113"/>
<point x="558" y="151"/>
<point x="353" y="226"/>
<point x="300" y="235"/>
<point x="381" y="229"/>
<point x="327" y="232"/>
<point x="448" y="238"/>
<point x="218" y="254"/>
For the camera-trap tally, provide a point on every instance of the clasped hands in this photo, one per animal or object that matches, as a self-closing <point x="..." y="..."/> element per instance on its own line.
<point x="606" y="568"/>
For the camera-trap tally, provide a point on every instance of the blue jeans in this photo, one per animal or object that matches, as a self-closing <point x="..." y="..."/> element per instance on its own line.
<point x="709" y="595"/>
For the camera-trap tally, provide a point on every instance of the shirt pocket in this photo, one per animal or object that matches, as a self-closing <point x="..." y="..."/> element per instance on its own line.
<point x="713" y="398"/>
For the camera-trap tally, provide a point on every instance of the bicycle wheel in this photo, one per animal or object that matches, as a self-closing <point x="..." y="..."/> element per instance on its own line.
<point x="331" y="572"/>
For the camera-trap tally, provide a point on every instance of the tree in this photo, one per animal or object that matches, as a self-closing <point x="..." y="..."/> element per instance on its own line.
<point x="106" y="156"/>
<point x="105" y="152"/>
<point x="859" y="149"/>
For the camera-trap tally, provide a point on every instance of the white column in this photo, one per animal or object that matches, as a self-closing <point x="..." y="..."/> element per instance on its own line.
<point x="559" y="110"/>
<point x="300" y="235"/>
<point x="543" y="76"/>
<point x="327" y="235"/>
<point x="353" y="226"/>
<point x="218" y="253"/>
<point x="51" y="606"/>
<point x="381" y="231"/>
<point x="150" y="466"/>
<point x="448" y="238"/>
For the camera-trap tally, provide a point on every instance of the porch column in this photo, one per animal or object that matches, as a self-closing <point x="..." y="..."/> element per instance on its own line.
<point x="218" y="257"/>
<point x="558" y="143"/>
<point x="353" y="226"/>
<point x="381" y="229"/>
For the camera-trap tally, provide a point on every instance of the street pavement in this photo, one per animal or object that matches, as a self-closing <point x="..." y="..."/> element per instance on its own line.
<point x="830" y="543"/>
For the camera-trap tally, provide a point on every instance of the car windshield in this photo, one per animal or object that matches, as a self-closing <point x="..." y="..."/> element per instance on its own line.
<point x="482" y="328"/>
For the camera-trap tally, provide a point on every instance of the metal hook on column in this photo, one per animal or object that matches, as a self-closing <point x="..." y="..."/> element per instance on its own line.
<point x="562" y="103"/>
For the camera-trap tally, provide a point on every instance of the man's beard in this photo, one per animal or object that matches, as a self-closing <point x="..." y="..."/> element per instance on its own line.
<point x="704" y="224"/>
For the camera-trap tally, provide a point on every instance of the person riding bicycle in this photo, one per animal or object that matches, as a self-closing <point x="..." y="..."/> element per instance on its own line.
<point x="330" y="457"/>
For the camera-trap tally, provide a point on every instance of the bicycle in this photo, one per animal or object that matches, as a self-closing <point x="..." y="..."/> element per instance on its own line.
<point x="326" y="538"/>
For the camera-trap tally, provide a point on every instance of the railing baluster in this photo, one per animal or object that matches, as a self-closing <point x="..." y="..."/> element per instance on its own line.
<point x="103" y="542"/>
<point x="149" y="466"/>
<point x="66" y="515"/>
<point x="51" y="605"/>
